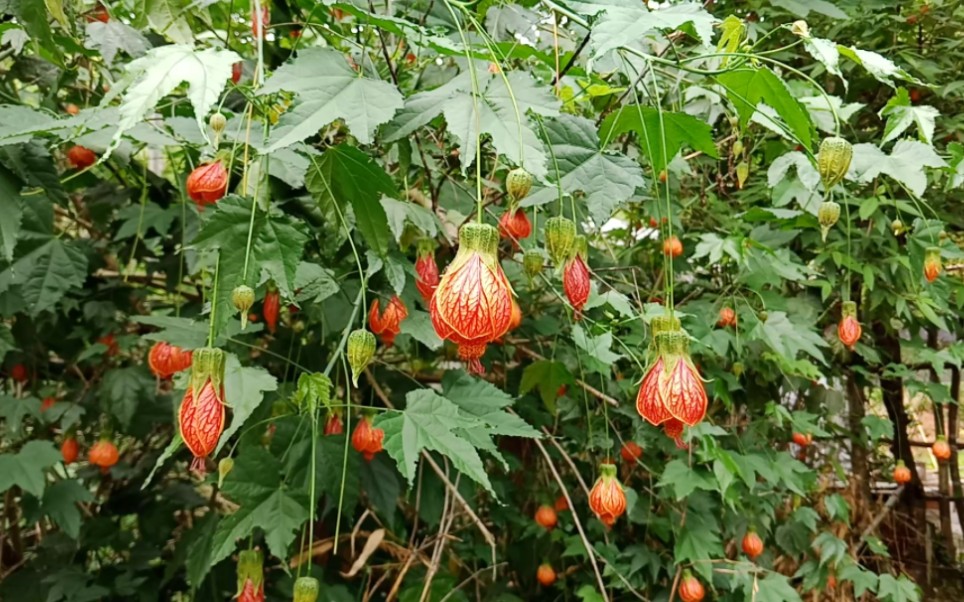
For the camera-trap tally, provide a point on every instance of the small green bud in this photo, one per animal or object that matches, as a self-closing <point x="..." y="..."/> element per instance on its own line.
<point x="361" y="350"/>
<point x="243" y="298"/>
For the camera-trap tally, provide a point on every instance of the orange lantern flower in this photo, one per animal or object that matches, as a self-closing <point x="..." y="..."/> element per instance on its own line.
<point x="673" y="247"/>
<point x="607" y="499"/>
<point x="932" y="264"/>
<point x="575" y="277"/>
<point x="333" y="424"/>
<point x="752" y="544"/>
<point x="69" y="449"/>
<point x="631" y="452"/>
<point x="259" y="26"/>
<point x="427" y="271"/>
<point x="941" y="449"/>
<point x="366" y="439"/>
<point x="387" y="324"/>
<point x="81" y="157"/>
<point x="727" y="317"/>
<point x="672" y="388"/>
<point x="201" y="416"/>
<point x="849" y="329"/>
<point x="207" y="184"/>
<point x="514" y="224"/>
<point x="546" y="517"/>
<point x="472" y="305"/>
<point x="104" y="454"/>
<point x="165" y="359"/>
<point x="18" y="372"/>
<point x="674" y="430"/>
<point x="270" y="308"/>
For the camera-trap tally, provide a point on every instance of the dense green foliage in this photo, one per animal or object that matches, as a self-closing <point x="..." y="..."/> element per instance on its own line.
<point x="357" y="131"/>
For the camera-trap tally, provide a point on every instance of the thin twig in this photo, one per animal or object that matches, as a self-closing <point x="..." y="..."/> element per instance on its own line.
<point x="575" y="518"/>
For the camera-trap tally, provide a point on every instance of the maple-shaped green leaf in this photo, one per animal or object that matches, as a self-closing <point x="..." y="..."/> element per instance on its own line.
<point x="905" y="164"/>
<point x="883" y="69"/>
<point x="343" y="177"/>
<point x="327" y="89"/>
<point x="11" y="208"/>
<point x="788" y="338"/>
<point x="685" y="479"/>
<point x="400" y="212"/>
<point x="698" y="541"/>
<point x="802" y="8"/>
<point x="264" y="503"/>
<point x="7" y="342"/>
<point x="485" y="401"/>
<point x="169" y="18"/>
<point x="837" y="508"/>
<point x="26" y="468"/>
<point x="182" y="332"/>
<point x="45" y="273"/>
<point x="863" y="580"/>
<point x="901" y="114"/>
<point x="123" y="389"/>
<point x="746" y="88"/>
<point x="624" y="25"/>
<point x="580" y="165"/>
<point x="900" y="589"/>
<point x="429" y="422"/>
<point x="277" y="243"/>
<point x="493" y="113"/>
<point x="244" y="389"/>
<point x="60" y="504"/>
<point x="113" y="36"/>
<point x="772" y="587"/>
<point x="598" y="348"/>
<point x="827" y="53"/>
<point x="418" y="325"/>
<point x="138" y="219"/>
<point x="548" y="377"/>
<point x="15" y="409"/>
<point x="157" y="74"/>
<point x="662" y="133"/>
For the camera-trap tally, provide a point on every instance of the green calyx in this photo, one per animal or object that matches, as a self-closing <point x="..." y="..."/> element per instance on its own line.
<point x="560" y="238"/>
<point x="664" y="323"/>
<point x="207" y="363"/>
<point x="479" y="238"/>
<point x="580" y="247"/>
<point x="306" y="589"/>
<point x="250" y="566"/>
<point x="533" y="262"/>
<point x="848" y="309"/>
<point x="360" y="351"/>
<point x="607" y="471"/>
<point x="424" y="247"/>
